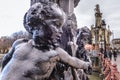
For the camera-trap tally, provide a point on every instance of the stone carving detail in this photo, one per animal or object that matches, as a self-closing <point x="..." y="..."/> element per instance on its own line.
<point x="35" y="59"/>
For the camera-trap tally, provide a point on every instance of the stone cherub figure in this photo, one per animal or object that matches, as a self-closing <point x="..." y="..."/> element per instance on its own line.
<point x="36" y="58"/>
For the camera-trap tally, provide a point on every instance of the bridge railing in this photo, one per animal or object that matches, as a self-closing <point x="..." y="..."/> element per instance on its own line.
<point x="109" y="70"/>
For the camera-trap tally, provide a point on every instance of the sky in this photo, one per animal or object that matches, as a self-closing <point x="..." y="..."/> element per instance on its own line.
<point x="12" y="13"/>
<point x="110" y="10"/>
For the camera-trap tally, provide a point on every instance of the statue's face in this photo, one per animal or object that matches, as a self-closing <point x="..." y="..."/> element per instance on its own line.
<point x="55" y="26"/>
<point x="51" y="26"/>
<point x="55" y="23"/>
<point x="51" y="31"/>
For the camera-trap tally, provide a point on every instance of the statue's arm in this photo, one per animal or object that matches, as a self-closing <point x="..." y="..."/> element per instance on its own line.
<point x="72" y="61"/>
<point x="8" y="55"/>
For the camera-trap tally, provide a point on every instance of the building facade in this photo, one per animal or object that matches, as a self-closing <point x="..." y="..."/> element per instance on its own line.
<point x="116" y="44"/>
<point x="100" y="33"/>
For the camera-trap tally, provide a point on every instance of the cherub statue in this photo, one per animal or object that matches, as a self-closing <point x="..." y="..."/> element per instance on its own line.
<point x="36" y="58"/>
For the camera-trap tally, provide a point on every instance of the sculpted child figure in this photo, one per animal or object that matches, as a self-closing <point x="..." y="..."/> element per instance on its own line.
<point x="36" y="58"/>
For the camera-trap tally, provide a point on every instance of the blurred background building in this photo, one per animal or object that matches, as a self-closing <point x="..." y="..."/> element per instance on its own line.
<point x="101" y="31"/>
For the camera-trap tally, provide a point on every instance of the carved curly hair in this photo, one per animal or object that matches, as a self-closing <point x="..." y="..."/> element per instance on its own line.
<point x="39" y="12"/>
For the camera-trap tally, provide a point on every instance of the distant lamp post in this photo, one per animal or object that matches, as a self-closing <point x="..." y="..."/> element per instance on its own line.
<point x="104" y="28"/>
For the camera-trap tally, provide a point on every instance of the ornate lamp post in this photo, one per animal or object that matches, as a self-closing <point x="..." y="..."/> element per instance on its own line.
<point x="104" y="28"/>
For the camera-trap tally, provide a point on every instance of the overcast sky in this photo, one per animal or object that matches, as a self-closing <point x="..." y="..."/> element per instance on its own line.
<point x="110" y="10"/>
<point x="12" y="12"/>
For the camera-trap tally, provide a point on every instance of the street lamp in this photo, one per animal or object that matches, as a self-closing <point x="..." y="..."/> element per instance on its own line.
<point x="104" y="28"/>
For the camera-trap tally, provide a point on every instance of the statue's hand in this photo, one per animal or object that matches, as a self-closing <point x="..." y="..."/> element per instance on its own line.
<point x="88" y="68"/>
<point x="86" y="65"/>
